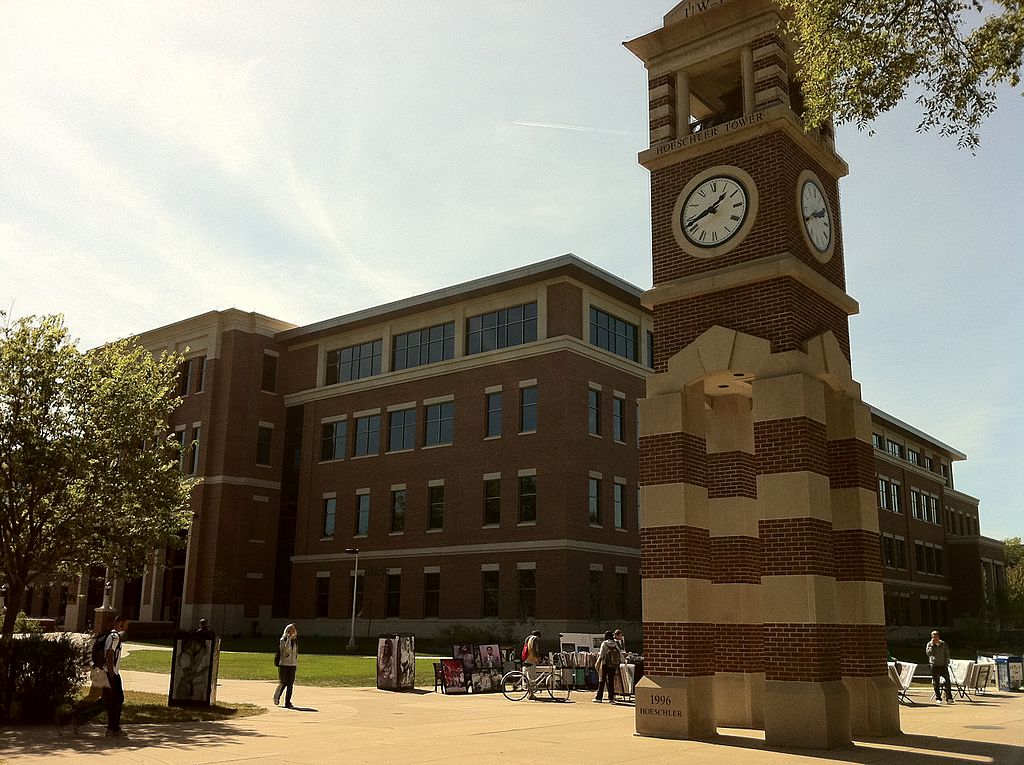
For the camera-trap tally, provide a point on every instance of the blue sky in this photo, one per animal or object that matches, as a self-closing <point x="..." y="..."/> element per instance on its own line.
<point x="308" y="160"/>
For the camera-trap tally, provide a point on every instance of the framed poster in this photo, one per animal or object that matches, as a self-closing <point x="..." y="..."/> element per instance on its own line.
<point x="486" y="681"/>
<point x="467" y="653"/>
<point x="490" y="656"/>
<point x="454" y="676"/>
<point x="387" y="662"/>
<point x="406" y="662"/>
<point x="193" y="663"/>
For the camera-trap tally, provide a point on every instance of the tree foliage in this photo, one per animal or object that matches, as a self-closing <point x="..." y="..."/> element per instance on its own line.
<point x="857" y="60"/>
<point x="87" y="471"/>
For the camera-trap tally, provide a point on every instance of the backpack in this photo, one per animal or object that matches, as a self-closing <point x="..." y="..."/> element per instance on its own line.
<point x="99" y="650"/>
<point x="613" y="657"/>
<point x="526" y="647"/>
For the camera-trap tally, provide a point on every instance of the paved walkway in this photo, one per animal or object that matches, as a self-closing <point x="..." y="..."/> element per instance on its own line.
<point x="361" y="725"/>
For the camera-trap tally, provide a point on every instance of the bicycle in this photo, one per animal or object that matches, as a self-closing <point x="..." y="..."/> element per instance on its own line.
<point x="516" y="685"/>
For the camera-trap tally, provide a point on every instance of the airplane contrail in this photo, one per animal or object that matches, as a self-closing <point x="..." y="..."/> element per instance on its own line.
<point x="578" y="128"/>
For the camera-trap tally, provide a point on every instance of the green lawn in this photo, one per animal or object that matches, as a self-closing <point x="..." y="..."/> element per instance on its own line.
<point x="314" y="669"/>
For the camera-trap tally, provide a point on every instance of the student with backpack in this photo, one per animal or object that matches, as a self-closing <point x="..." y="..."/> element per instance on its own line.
<point x="105" y="690"/>
<point x="531" y="656"/>
<point x="608" y="661"/>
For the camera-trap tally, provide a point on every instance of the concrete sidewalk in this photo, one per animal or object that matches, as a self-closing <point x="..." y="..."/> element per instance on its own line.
<point x="361" y="725"/>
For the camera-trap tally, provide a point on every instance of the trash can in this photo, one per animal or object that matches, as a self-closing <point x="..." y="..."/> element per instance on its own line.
<point x="1009" y="672"/>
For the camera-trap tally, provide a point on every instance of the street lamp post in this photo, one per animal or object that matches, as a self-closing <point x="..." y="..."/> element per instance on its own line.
<point x="355" y="589"/>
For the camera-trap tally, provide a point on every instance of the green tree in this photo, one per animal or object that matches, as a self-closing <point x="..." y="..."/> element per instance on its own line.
<point x="1013" y="597"/>
<point x="87" y="472"/>
<point x="857" y="60"/>
<point x="1014" y="552"/>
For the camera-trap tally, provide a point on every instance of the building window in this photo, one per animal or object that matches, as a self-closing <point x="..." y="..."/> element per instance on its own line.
<point x="619" y="419"/>
<point x="200" y="364"/>
<point x="393" y="597"/>
<point x="353" y="363"/>
<point x="367" y="435"/>
<point x="435" y="507"/>
<point x="526" y="593"/>
<point x="650" y="350"/>
<point x="333" y="438"/>
<point x="594" y="500"/>
<point x="877" y="441"/>
<point x="263" y="440"/>
<point x="398" y="510"/>
<point x="423" y="346"/>
<point x="494" y="401"/>
<point x="489" y="592"/>
<point x="595" y="594"/>
<point x="928" y="464"/>
<point x="401" y="430"/>
<point x="889" y="495"/>
<point x="193" y="457"/>
<point x="913" y="457"/>
<point x="268" y="382"/>
<point x="613" y="334"/>
<point x="330" y="516"/>
<point x="594" y="412"/>
<point x="501" y="329"/>
<point x="440" y="424"/>
<point x="184" y="377"/>
<point x="527" y="498"/>
<point x="620" y="595"/>
<point x="323" y="595"/>
<point x="362" y="514"/>
<point x="492" y="502"/>
<point x="528" y="409"/>
<point x="619" y="505"/>
<point x="893" y="448"/>
<point x="894" y="552"/>
<point x="431" y="594"/>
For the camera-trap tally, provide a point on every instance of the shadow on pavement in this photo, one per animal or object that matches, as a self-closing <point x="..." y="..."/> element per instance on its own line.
<point x="51" y="741"/>
<point x="929" y="750"/>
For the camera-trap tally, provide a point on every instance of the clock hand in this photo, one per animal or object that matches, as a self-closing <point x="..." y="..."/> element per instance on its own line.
<point x="819" y="214"/>
<point x="708" y="211"/>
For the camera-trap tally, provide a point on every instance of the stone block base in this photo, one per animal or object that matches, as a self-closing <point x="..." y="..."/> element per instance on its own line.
<point x="739" y="699"/>
<point x="874" y="707"/>
<point x="675" y="707"/>
<point x="807" y="715"/>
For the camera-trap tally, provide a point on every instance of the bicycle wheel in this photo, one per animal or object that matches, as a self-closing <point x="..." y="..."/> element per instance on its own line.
<point x="557" y="688"/>
<point x="514" y="686"/>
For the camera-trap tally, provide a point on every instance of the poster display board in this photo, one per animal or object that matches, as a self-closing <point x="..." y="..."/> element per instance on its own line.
<point x="454" y="676"/>
<point x="194" y="664"/>
<point x="396" y="662"/>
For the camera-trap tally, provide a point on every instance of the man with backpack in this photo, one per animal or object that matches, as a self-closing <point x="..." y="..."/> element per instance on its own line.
<point x="608" y="661"/>
<point x="105" y="690"/>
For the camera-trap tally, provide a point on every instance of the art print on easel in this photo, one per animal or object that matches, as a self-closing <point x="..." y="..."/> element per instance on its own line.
<point x="454" y="676"/>
<point x="490" y="656"/>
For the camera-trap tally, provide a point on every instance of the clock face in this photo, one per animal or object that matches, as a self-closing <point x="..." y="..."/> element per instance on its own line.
<point x="714" y="211"/>
<point x="816" y="216"/>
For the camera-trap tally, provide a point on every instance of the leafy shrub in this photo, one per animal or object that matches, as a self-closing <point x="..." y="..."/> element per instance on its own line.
<point x="477" y="634"/>
<point x="26" y="626"/>
<point x="39" y="675"/>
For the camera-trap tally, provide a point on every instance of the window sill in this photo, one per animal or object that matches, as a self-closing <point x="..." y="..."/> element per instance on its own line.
<point x="596" y="525"/>
<point x="619" y="441"/>
<point x="327" y="539"/>
<point x="436" y="446"/>
<point x="400" y="451"/>
<point x="359" y="536"/>
<point x="258" y="541"/>
<point x="527" y="523"/>
<point x="396" y="533"/>
<point x="527" y="432"/>
<point x="491" y="438"/>
<point x="595" y="435"/>
<point x="434" y="531"/>
<point x="328" y="462"/>
<point x="619" y="528"/>
<point x="491" y="526"/>
<point x="263" y="464"/>
<point x="364" y="456"/>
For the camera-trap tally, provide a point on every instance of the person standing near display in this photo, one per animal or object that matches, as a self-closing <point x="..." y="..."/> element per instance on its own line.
<point x="621" y="640"/>
<point x="288" y="651"/>
<point x="938" y="658"/>
<point x="608" y="661"/>
<point x="531" y="656"/>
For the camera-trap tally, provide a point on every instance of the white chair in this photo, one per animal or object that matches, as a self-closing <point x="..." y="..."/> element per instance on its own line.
<point x="902" y="678"/>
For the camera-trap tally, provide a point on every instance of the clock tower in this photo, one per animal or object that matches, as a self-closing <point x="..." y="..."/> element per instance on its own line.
<point x="762" y="578"/>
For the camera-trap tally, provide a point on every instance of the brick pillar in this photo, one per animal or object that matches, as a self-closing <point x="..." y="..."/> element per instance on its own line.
<point x="661" y="97"/>
<point x="675" y="698"/>
<point x="806" y="703"/>
<point x="735" y="563"/>
<point x="874" y="710"/>
<point x="771" y="72"/>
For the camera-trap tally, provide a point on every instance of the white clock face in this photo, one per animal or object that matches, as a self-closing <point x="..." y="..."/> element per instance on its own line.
<point x="816" y="216"/>
<point x="714" y="211"/>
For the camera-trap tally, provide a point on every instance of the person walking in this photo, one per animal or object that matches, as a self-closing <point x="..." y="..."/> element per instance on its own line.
<point x="938" y="658"/>
<point x="288" y="663"/>
<point x="608" y="660"/>
<point x="102" y="696"/>
<point x="531" y="657"/>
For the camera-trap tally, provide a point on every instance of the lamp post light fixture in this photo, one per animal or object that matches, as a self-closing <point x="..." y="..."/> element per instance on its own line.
<point x="355" y="589"/>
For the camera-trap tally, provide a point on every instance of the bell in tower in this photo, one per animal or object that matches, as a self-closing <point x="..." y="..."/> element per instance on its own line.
<point x="762" y="584"/>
